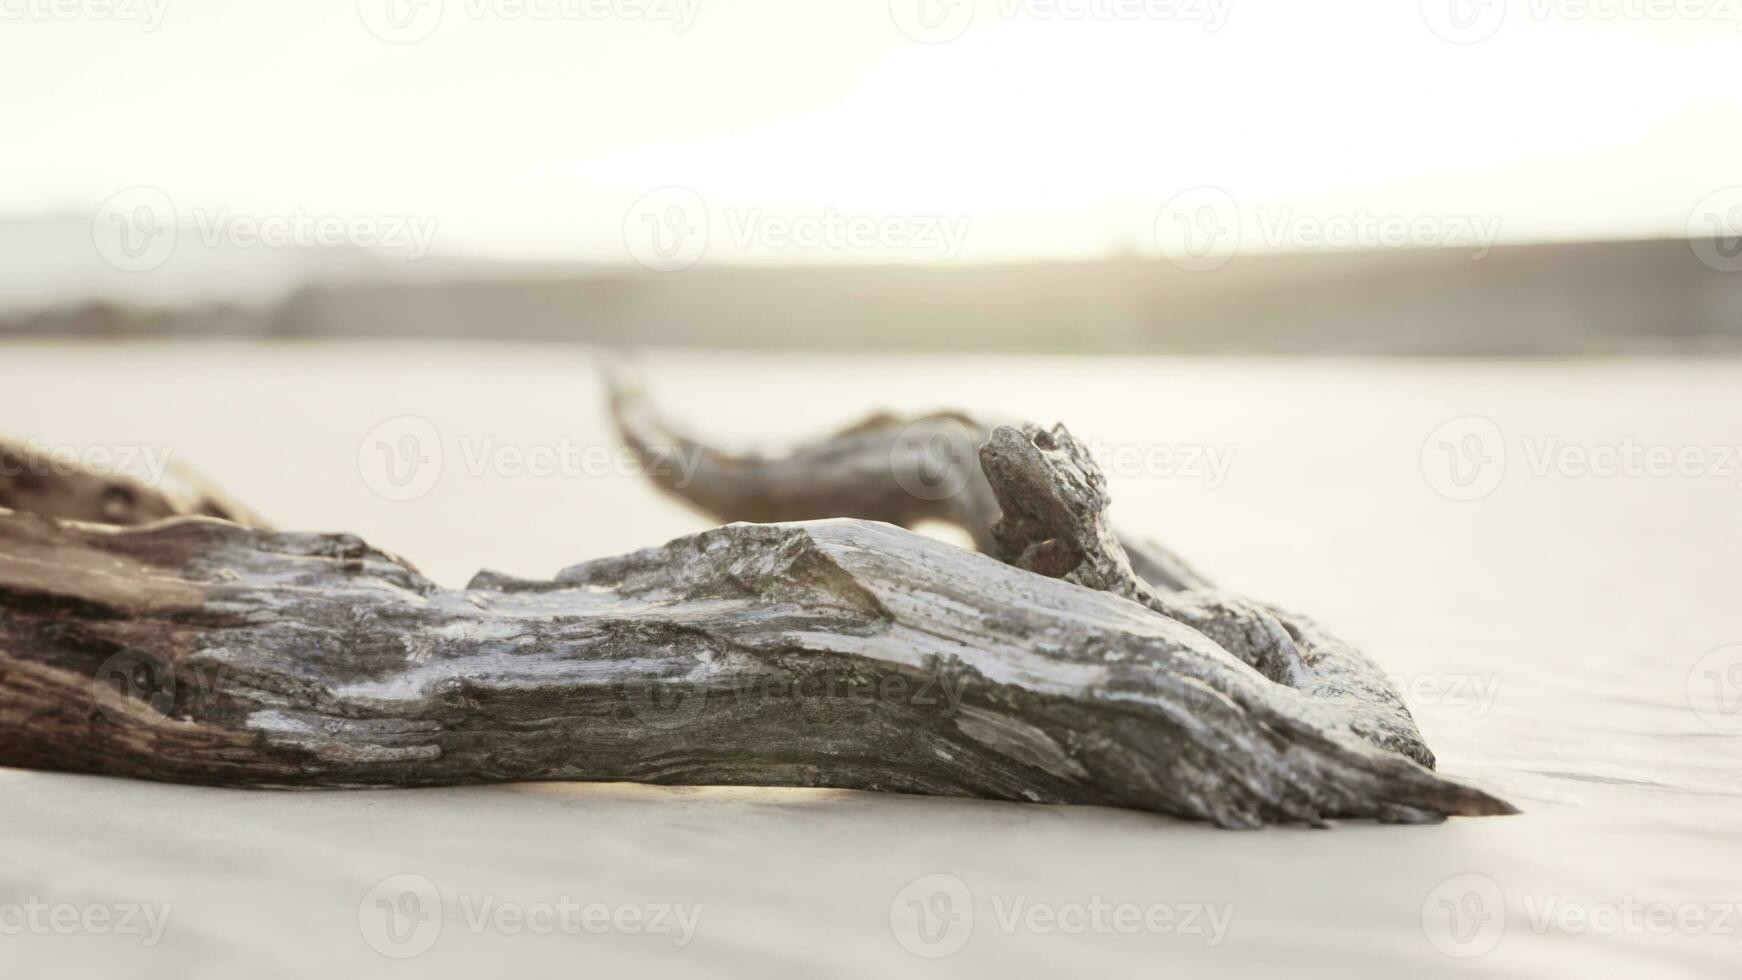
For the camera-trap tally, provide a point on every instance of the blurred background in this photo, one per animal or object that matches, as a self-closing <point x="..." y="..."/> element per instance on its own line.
<point x="1443" y="177"/>
<point x="1419" y="316"/>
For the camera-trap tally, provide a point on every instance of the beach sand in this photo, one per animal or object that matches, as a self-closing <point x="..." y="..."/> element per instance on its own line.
<point x="1547" y="636"/>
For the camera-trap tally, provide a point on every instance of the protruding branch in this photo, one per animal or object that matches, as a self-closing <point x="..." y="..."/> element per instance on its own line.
<point x="894" y="468"/>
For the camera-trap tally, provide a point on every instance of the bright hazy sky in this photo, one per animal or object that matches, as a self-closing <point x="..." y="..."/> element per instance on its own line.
<point x="533" y="138"/>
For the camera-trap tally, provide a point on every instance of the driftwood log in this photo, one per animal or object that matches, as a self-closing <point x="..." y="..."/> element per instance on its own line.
<point x="1045" y="512"/>
<point x="843" y="653"/>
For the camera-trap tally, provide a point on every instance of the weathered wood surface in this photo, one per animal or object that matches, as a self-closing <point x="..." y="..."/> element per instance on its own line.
<point x="907" y="469"/>
<point x="1054" y="522"/>
<point x="842" y="653"/>
<point x="887" y="467"/>
<point x="36" y="481"/>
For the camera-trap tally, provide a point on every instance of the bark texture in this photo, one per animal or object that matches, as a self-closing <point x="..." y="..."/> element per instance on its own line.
<point x="902" y="469"/>
<point x="34" y="481"/>
<point x="1032" y="497"/>
<point x="1054" y="501"/>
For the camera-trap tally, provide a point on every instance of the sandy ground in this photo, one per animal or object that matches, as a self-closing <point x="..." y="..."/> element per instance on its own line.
<point x="1564" y="640"/>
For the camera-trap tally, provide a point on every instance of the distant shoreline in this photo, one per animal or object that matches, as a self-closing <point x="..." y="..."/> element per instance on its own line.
<point x="1581" y="299"/>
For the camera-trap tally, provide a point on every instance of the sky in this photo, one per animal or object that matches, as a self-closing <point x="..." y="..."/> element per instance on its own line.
<point x="880" y="130"/>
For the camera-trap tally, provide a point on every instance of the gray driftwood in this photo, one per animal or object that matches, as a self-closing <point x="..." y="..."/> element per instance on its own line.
<point x="1045" y="512"/>
<point x="903" y="469"/>
<point x="33" y="480"/>
<point x="843" y="653"/>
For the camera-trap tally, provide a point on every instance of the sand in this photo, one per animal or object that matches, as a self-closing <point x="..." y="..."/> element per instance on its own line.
<point x="1547" y="636"/>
